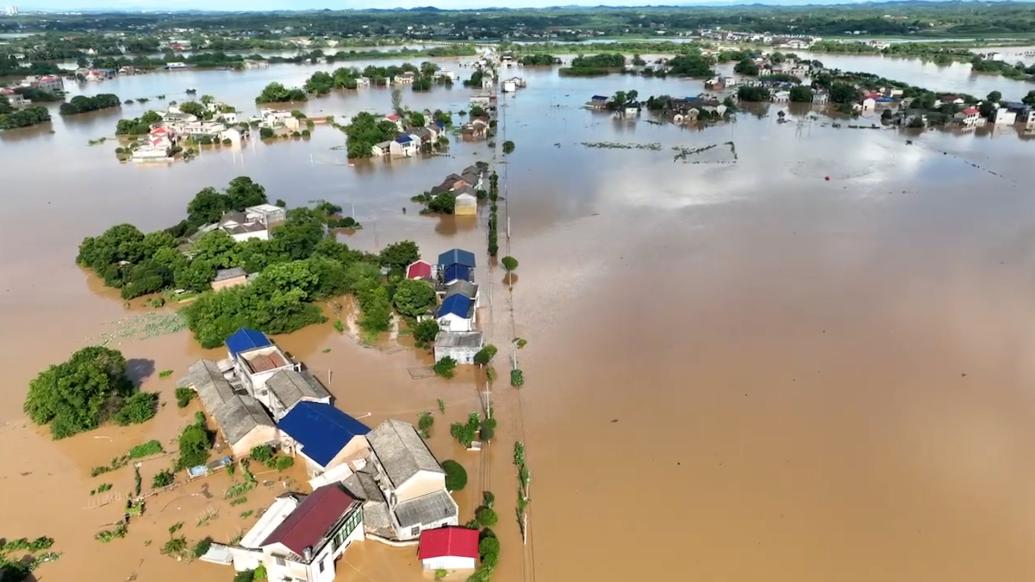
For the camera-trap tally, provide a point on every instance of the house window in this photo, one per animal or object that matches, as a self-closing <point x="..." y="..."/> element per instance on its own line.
<point x="321" y="567"/>
<point x="415" y="530"/>
<point x="281" y="562"/>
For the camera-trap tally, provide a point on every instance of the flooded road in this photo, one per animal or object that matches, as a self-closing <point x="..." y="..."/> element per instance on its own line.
<point x="802" y="357"/>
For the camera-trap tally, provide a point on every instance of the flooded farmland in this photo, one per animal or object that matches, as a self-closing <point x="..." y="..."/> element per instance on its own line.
<point x="801" y="355"/>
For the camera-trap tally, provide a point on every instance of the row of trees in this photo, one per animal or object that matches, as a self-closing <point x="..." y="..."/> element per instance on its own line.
<point x="366" y="131"/>
<point x="592" y="65"/>
<point x="11" y="118"/>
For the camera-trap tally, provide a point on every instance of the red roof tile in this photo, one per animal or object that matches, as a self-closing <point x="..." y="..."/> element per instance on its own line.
<point x="448" y="541"/>
<point x="311" y="520"/>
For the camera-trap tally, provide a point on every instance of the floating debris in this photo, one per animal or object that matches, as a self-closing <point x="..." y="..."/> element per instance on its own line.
<point x="610" y="145"/>
<point x="684" y="153"/>
<point x="143" y="326"/>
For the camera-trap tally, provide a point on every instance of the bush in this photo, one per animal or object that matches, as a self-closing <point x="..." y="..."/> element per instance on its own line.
<point x="508" y="146"/>
<point x="152" y="447"/>
<point x="184" y="396"/>
<point x="517" y="378"/>
<point x="489" y="550"/>
<point x="424" y="333"/>
<point x="445" y="367"/>
<point x="486" y="516"/>
<point x="138" y="408"/>
<point x="262" y="453"/>
<point x="509" y="263"/>
<point x="456" y="475"/>
<point x="162" y="479"/>
<point x="424" y="423"/>
<point x="485" y="355"/>
<point x="202" y="547"/>
<point x="283" y="463"/>
<point x="195" y="443"/>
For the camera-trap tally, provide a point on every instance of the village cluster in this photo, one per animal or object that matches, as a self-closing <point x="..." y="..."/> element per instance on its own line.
<point x="380" y="483"/>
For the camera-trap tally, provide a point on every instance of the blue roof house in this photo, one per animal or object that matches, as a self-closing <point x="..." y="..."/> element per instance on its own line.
<point x="323" y="435"/>
<point x="456" y="265"/>
<point x="405" y="146"/>
<point x="246" y="339"/>
<point x="457" y="313"/>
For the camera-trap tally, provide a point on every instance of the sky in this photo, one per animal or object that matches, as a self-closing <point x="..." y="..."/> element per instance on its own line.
<point x="262" y="5"/>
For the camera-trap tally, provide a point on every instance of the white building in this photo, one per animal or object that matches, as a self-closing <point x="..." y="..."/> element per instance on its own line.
<point x="1004" y="116"/>
<point x="459" y="345"/>
<point x="300" y="537"/>
<point x="256" y="359"/>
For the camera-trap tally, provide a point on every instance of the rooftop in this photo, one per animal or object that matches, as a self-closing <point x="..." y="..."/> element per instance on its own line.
<point x="313" y="520"/>
<point x="419" y="270"/>
<point x="457" y="257"/>
<point x="224" y="274"/>
<point x="401" y="451"/>
<point x="235" y="414"/>
<point x="291" y="387"/>
<point x="448" y="541"/>
<point x="321" y="429"/>
<point x="246" y="339"/>
<point x="428" y="508"/>
<point x="462" y="287"/>
<point x="265" y="360"/>
<point x="456" y="305"/>
<point x="458" y="339"/>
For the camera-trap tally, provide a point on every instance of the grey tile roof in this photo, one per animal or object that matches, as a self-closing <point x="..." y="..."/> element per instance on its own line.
<point x="461" y="287"/>
<point x="425" y="509"/>
<point x="235" y="414"/>
<point x="401" y="451"/>
<point x="223" y="274"/>
<point x="290" y="387"/>
<point x="458" y="339"/>
<point x="376" y="517"/>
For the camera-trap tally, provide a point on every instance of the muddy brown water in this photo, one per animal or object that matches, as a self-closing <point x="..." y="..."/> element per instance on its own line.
<point x="737" y="369"/>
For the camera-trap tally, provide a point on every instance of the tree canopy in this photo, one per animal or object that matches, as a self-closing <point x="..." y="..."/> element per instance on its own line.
<point x="78" y="394"/>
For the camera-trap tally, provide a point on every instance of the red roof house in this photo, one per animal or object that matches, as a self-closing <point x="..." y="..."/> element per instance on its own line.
<point x="419" y="270"/>
<point x="312" y="521"/>
<point x="448" y="548"/>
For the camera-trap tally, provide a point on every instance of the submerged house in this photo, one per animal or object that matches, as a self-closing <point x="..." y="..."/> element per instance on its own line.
<point x="456" y="265"/>
<point x="456" y="313"/>
<point x="411" y="480"/>
<point x="299" y="537"/>
<point x="256" y="359"/>
<point x="242" y="421"/>
<point x="448" y="548"/>
<point x="459" y="345"/>
<point x="325" y="436"/>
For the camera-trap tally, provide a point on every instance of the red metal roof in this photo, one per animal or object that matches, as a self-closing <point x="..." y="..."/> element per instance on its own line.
<point x="419" y="270"/>
<point x="312" y="519"/>
<point x="448" y="541"/>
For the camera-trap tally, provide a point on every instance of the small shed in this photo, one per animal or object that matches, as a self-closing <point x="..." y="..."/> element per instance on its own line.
<point x="226" y="278"/>
<point x="420" y="269"/>
<point x="448" y="548"/>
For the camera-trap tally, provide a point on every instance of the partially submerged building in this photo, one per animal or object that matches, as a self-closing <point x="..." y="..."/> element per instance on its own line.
<point x="324" y="436"/>
<point x="459" y="345"/>
<point x="300" y="537"/>
<point x="256" y="359"/>
<point x="241" y="419"/>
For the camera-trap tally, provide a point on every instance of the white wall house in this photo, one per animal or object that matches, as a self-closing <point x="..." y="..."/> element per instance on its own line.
<point x="299" y="538"/>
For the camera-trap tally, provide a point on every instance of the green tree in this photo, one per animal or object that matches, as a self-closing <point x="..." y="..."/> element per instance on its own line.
<point x="995" y="96"/>
<point x="424" y="332"/>
<point x="424" y="422"/>
<point x="397" y="256"/>
<point x="485" y="355"/>
<point x="508" y="147"/>
<point x="1029" y="99"/>
<point x="801" y="94"/>
<point x="195" y="442"/>
<point x="456" y="475"/>
<point x="746" y="67"/>
<point x="509" y="263"/>
<point x="414" y="297"/>
<point x="74" y="396"/>
<point x="445" y="367"/>
<point x="244" y="192"/>
<point x="139" y="407"/>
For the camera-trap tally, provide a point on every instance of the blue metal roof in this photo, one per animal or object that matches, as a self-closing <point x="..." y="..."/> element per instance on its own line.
<point x="246" y="339"/>
<point x="457" y="272"/>
<point x="457" y="305"/>
<point x="321" y="429"/>
<point x="456" y="256"/>
<point x="404" y="138"/>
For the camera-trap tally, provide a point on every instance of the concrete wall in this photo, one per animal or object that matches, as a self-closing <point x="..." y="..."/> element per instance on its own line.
<point x="449" y="563"/>
<point x="423" y="483"/>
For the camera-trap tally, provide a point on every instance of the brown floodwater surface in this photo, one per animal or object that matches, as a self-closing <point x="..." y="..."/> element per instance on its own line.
<point x="805" y="357"/>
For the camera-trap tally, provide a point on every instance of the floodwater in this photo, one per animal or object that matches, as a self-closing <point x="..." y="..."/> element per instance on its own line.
<point x="802" y="357"/>
<point x="955" y="77"/>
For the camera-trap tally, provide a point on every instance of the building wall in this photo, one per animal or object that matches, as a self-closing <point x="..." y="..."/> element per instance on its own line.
<point x="449" y="563"/>
<point x="461" y="355"/>
<point x="451" y="322"/>
<point x="259" y="435"/>
<point x="232" y="282"/>
<point x="423" y="483"/>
